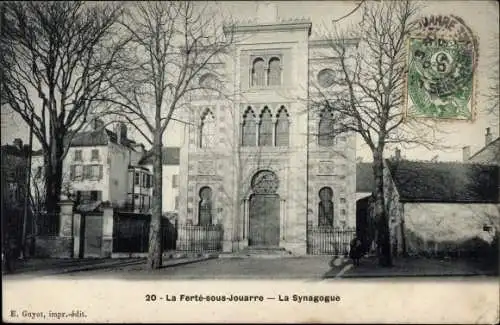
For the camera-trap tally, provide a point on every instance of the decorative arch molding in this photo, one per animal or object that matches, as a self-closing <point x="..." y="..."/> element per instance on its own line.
<point x="265" y="182"/>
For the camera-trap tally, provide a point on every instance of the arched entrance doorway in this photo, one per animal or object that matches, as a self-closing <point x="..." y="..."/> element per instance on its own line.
<point x="264" y="210"/>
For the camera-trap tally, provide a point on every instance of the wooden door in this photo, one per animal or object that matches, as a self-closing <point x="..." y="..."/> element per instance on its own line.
<point x="264" y="227"/>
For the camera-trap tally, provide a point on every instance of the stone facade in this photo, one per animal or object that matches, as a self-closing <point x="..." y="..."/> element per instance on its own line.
<point x="228" y="164"/>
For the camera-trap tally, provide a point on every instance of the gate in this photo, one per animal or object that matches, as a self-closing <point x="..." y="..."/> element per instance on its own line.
<point x="92" y="242"/>
<point x="329" y="241"/>
<point x="131" y="233"/>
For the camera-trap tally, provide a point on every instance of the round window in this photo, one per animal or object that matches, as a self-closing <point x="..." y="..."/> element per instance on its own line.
<point x="326" y="78"/>
<point x="208" y="80"/>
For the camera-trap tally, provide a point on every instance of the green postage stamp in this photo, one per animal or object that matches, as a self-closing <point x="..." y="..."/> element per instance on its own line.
<point x="441" y="71"/>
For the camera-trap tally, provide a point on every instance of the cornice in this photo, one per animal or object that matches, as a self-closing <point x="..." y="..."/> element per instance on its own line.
<point x="280" y="26"/>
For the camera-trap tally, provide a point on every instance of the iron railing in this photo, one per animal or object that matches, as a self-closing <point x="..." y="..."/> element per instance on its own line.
<point x="131" y="235"/>
<point x="329" y="241"/>
<point x="199" y="238"/>
<point x="47" y="224"/>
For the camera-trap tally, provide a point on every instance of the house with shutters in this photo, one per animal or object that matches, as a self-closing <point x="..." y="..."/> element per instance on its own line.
<point x="14" y="162"/>
<point x="102" y="165"/>
<point x="170" y="161"/>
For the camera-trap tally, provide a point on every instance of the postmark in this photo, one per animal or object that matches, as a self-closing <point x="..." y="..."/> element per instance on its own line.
<point x="442" y="58"/>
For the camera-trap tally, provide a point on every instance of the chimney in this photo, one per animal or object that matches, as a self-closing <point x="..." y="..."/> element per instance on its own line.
<point x="465" y="153"/>
<point x="18" y="143"/>
<point x="267" y="12"/>
<point x="123" y="132"/>
<point x="397" y="154"/>
<point x="488" y="137"/>
<point x="97" y="124"/>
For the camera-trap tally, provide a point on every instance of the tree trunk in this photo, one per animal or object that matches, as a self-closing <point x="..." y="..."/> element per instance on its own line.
<point x="155" y="233"/>
<point x="382" y="225"/>
<point x="53" y="179"/>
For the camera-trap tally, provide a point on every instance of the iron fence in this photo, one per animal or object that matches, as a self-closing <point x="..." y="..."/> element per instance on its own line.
<point x="47" y="224"/>
<point x="131" y="234"/>
<point x="329" y="241"/>
<point x="199" y="238"/>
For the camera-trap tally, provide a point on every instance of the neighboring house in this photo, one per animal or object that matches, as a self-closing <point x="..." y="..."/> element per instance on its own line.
<point x="170" y="161"/>
<point x="99" y="167"/>
<point x="490" y="153"/>
<point x="14" y="161"/>
<point x="437" y="207"/>
<point x="266" y="168"/>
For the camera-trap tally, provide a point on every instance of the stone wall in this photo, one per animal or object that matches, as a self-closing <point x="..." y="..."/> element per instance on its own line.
<point x="53" y="246"/>
<point x="449" y="228"/>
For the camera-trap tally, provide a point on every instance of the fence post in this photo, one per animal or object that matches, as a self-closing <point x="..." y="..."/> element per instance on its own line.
<point x="107" y="230"/>
<point x="77" y="221"/>
<point x="64" y="246"/>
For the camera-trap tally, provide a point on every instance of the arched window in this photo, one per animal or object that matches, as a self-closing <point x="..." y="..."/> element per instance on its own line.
<point x="266" y="128"/>
<point x="325" y="209"/>
<point x="248" y="132"/>
<point x="282" y="136"/>
<point x="205" y="206"/>
<point x="258" y="72"/>
<point x="274" y="72"/>
<point x="207" y="129"/>
<point x="325" y="128"/>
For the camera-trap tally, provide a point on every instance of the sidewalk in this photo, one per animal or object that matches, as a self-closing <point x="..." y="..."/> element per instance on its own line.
<point x="417" y="267"/>
<point x="54" y="266"/>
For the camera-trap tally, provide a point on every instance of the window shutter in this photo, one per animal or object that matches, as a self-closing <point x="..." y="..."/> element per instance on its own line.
<point x="72" y="172"/>
<point x="87" y="172"/>
<point x="100" y="171"/>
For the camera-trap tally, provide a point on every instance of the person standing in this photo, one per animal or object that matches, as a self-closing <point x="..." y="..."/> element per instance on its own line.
<point x="356" y="250"/>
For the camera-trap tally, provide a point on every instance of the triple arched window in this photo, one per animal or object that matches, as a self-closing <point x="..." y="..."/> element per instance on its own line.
<point x="267" y="130"/>
<point x="266" y="72"/>
<point x="249" y="129"/>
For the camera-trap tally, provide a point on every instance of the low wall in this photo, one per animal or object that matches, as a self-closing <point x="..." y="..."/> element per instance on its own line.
<point x="53" y="246"/>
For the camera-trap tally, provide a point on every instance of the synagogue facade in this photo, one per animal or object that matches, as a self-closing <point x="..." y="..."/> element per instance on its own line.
<point x="260" y="162"/>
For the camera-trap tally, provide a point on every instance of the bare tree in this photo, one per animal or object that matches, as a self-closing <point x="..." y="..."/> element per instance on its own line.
<point x="370" y="96"/>
<point x="173" y="44"/>
<point x="56" y="58"/>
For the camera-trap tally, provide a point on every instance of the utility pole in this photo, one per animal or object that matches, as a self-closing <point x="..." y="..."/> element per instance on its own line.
<point x="27" y="190"/>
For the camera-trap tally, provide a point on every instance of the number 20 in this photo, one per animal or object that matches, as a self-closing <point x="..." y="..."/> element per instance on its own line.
<point x="150" y="297"/>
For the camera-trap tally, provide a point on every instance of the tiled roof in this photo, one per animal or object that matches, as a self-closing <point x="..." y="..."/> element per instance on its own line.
<point x="445" y="181"/>
<point x="170" y="156"/>
<point x="364" y="177"/>
<point x="97" y="138"/>
<point x="493" y="145"/>
<point x="92" y="138"/>
<point x="11" y="150"/>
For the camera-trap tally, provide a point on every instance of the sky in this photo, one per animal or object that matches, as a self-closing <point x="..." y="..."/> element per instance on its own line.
<point x="481" y="16"/>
